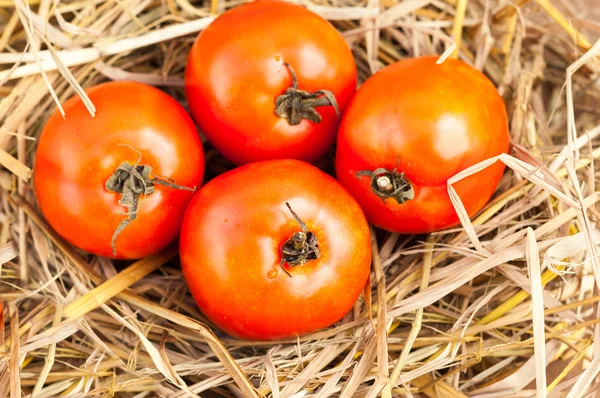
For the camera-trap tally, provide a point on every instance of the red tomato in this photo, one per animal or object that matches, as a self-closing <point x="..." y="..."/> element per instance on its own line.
<point x="238" y="228"/>
<point x="237" y="71"/>
<point x="135" y="124"/>
<point x="415" y="124"/>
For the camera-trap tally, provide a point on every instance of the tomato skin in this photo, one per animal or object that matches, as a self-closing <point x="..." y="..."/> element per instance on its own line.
<point x="230" y="250"/>
<point x="430" y="121"/>
<point x="233" y="79"/>
<point x="76" y="155"/>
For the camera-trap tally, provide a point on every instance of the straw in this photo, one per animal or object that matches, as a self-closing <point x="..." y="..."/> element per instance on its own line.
<point x="505" y="303"/>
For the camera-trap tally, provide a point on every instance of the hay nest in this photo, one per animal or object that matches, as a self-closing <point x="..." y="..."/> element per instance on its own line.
<point x="504" y="306"/>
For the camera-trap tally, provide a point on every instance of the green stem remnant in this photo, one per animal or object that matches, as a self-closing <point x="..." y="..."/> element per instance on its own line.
<point x="130" y="182"/>
<point x="294" y="104"/>
<point x="389" y="184"/>
<point x="300" y="248"/>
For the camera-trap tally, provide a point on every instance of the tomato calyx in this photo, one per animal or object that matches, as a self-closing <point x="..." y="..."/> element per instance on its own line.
<point x="389" y="184"/>
<point x="300" y="248"/>
<point x="295" y="104"/>
<point x="131" y="182"/>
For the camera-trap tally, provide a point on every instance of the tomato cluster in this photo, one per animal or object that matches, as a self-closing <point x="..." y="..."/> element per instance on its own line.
<point x="275" y="236"/>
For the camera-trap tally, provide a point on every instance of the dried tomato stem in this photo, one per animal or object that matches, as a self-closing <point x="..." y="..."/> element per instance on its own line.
<point x="295" y="105"/>
<point x="385" y="184"/>
<point x="131" y="182"/>
<point x="300" y="248"/>
<point x="389" y="184"/>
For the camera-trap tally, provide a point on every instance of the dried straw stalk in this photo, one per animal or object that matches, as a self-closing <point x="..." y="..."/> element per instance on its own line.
<point x="505" y="305"/>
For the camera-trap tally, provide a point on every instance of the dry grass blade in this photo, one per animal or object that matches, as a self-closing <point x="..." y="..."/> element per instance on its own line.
<point x="14" y="166"/>
<point x="440" y="289"/>
<point x="461" y="8"/>
<point x="400" y="10"/>
<point x="15" y="354"/>
<point x="163" y="367"/>
<point x="49" y="360"/>
<point x="115" y="285"/>
<point x="7" y="253"/>
<point x="449" y="51"/>
<point x="272" y="379"/>
<point x="564" y="22"/>
<point x="66" y="73"/>
<point x="23" y="9"/>
<point x="343" y="13"/>
<point x="158" y="36"/>
<point x="8" y="29"/>
<point x="440" y="390"/>
<point x="537" y="309"/>
<point x="50" y="336"/>
<point x="114" y="73"/>
<point x="416" y="326"/>
<point x="381" y="328"/>
<point x="47" y="64"/>
<point x="586" y="379"/>
<point x="362" y="368"/>
<point x="324" y="358"/>
<point x="488" y="372"/>
<point x="23" y="263"/>
<point x="518" y="380"/>
<point x="55" y="389"/>
<point x="330" y="384"/>
<point x="571" y="123"/>
<point x="83" y="56"/>
<point x="224" y="356"/>
<point x="576" y="359"/>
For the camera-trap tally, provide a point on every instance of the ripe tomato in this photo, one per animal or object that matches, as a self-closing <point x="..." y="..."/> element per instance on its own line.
<point x="238" y="228"/>
<point x="135" y="124"/>
<point x="234" y="79"/>
<point x="415" y="124"/>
